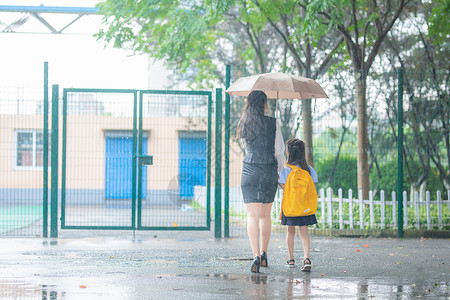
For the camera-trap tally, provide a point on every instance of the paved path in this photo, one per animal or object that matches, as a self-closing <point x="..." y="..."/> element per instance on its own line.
<point x="193" y="265"/>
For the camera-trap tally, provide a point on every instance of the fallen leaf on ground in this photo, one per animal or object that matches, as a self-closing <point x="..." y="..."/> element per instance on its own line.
<point x="82" y="286"/>
<point x="429" y="291"/>
<point x="367" y="246"/>
<point x="400" y="247"/>
<point x="357" y="250"/>
<point x="322" y="274"/>
<point x="175" y="224"/>
<point x="159" y="277"/>
<point x="345" y="271"/>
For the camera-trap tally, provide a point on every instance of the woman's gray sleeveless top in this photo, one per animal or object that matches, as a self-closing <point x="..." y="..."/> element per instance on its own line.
<point x="261" y="150"/>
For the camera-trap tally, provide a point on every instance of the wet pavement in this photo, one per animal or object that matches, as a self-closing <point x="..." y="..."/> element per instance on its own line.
<point x="194" y="265"/>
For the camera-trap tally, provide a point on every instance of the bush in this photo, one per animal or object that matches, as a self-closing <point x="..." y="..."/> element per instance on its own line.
<point x="388" y="180"/>
<point x="345" y="174"/>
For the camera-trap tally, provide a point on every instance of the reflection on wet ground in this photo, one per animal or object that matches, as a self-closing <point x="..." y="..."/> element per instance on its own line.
<point x="225" y="286"/>
<point x="195" y="268"/>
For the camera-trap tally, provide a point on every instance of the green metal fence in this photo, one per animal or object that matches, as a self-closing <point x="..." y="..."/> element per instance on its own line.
<point x="22" y="158"/>
<point x="127" y="163"/>
<point x="143" y="159"/>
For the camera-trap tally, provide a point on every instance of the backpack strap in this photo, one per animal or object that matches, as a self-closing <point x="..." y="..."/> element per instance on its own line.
<point x="293" y="167"/>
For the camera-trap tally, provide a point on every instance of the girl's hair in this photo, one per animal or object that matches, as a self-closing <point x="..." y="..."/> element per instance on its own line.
<point x="251" y="121"/>
<point x="297" y="154"/>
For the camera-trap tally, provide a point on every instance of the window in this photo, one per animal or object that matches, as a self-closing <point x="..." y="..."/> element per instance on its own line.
<point x="30" y="148"/>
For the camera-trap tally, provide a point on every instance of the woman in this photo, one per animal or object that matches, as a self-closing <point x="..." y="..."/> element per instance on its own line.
<point x="264" y="158"/>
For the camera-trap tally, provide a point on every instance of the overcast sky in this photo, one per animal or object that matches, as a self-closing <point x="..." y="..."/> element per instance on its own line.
<point x="75" y="59"/>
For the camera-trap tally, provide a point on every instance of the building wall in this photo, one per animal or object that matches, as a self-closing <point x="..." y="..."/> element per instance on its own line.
<point x="85" y="167"/>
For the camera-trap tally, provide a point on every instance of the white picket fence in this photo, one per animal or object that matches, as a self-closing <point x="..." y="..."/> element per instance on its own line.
<point x="383" y="210"/>
<point x="348" y="213"/>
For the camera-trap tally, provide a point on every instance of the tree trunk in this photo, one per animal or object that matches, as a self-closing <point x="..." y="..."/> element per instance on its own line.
<point x="307" y="130"/>
<point x="362" y="141"/>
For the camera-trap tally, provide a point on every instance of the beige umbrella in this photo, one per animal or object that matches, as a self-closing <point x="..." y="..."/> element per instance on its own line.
<point x="278" y="86"/>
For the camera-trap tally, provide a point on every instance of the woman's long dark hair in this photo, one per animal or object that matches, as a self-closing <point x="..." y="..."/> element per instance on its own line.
<point x="251" y="121"/>
<point x="297" y="154"/>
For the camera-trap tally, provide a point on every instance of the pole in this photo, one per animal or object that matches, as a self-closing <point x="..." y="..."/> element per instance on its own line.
<point x="227" y="156"/>
<point x="45" y="157"/>
<point x="218" y="167"/>
<point x="400" y="153"/>
<point x="54" y="162"/>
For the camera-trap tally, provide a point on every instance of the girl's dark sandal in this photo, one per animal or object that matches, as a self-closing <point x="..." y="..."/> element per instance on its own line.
<point x="306" y="265"/>
<point x="290" y="263"/>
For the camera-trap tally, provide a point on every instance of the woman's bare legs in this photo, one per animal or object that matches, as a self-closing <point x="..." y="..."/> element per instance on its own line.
<point x="290" y="241"/>
<point x="265" y="225"/>
<point x="253" y="214"/>
<point x="305" y="240"/>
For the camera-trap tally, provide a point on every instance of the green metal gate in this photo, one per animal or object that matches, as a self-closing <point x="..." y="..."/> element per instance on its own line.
<point x="109" y="132"/>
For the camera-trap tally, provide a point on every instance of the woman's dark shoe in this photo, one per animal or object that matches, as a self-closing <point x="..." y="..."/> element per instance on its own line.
<point x="255" y="265"/>
<point x="264" y="259"/>
<point x="306" y="265"/>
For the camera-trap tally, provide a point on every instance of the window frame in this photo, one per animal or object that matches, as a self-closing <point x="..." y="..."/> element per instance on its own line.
<point x="34" y="149"/>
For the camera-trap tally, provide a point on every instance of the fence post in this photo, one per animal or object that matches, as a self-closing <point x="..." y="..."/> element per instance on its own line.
<point x="429" y="210"/>
<point x="439" y="205"/>
<point x="218" y="167"/>
<point x="226" y="221"/>
<point x="54" y="162"/>
<point x="361" y="215"/>
<point x="394" y="214"/>
<point x="330" y="207"/>
<point x="405" y="210"/>
<point x="341" y="220"/>
<point x="371" y="212"/>
<point x="322" y="207"/>
<point x="382" y="209"/>
<point x="350" y="207"/>
<point x="400" y="152"/>
<point x="448" y="201"/>
<point x="416" y="208"/>
<point x="45" y="157"/>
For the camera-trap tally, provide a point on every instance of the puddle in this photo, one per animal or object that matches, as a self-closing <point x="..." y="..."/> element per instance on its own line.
<point x="216" y="286"/>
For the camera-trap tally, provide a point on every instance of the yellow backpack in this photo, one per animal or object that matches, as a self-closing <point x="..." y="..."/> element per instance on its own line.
<point x="299" y="196"/>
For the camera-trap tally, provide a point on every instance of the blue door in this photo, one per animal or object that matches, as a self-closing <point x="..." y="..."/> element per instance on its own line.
<point x="192" y="164"/>
<point x="119" y="167"/>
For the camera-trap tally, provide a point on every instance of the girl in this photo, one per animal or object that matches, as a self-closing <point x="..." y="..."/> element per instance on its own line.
<point x="264" y="158"/>
<point x="296" y="156"/>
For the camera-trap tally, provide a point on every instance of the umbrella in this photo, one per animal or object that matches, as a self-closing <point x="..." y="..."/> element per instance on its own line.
<point x="278" y="86"/>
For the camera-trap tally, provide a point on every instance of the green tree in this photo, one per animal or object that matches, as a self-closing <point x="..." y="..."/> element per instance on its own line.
<point x="424" y="55"/>
<point x="364" y="26"/>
